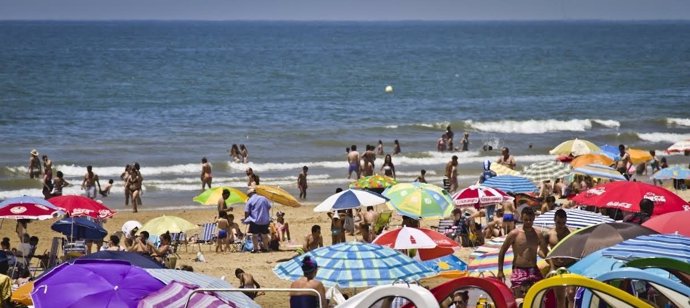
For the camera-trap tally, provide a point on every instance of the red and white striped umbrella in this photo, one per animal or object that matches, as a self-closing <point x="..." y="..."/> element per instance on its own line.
<point x="430" y="244"/>
<point x="679" y="147"/>
<point x="479" y="195"/>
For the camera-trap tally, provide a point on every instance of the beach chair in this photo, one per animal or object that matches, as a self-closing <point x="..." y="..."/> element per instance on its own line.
<point x="444" y="226"/>
<point x="207" y="236"/>
<point x="382" y="221"/>
<point x="177" y="240"/>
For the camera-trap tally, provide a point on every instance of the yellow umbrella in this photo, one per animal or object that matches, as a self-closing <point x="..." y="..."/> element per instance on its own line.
<point x="22" y="295"/>
<point x="172" y="224"/>
<point x="277" y="194"/>
<point x="587" y="159"/>
<point x="638" y="156"/>
<point x="503" y="170"/>
<point x="576" y="147"/>
<point x="211" y="196"/>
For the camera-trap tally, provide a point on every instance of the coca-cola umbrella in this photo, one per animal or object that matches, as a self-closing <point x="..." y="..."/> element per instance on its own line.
<point x="479" y="195"/>
<point x="76" y="205"/>
<point x="429" y="244"/>
<point x="26" y="207"/>
<point x="626" y="196"/>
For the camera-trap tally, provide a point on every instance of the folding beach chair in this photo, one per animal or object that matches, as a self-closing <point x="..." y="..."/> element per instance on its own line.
<point x="177" y="240"/>
<point x="207" y="236"/>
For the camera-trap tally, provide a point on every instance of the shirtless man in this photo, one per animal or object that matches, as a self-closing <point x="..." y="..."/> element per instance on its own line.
<point x="223" y="232"/>
<point x="34" y="165"/>
<point x="353" y="161"/>
<point x="302" y="183"/>
<point x="526" y="244"/>
<point x="370" y="156"/>
<point x="449" y="136"/>
<point x="222" y="206"/>
<point x="313" y="240"/>
<point x="506" y="159"/>
<point x="508" y="216"/>
<point x="206" y="177"/>
<point x="624" y="161"/>
<point x="555" y="235"/>
<point x="452" y="173"/>
<point x="89" y="183"/>
<point x="370" y="217"/>
<point x="47" y="165"/>
<point x="247" y="282"/>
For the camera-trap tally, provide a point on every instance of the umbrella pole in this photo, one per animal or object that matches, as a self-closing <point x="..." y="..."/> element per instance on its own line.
<point x="1" y="222"/>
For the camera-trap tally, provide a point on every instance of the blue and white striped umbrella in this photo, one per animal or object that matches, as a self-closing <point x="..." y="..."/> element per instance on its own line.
<point x="600" y="171"/>
<point x="577" y="219"/>
<point x="545" y="170"/>
<point x="674" y="172"/>
<point x="672" y="246"/>
<point x="350" y="199"/>
<point x="356" y="264"/>
<point x="511" y="184"/>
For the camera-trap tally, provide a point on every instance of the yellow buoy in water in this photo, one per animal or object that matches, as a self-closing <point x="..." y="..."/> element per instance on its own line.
<point x="389" y="89"/>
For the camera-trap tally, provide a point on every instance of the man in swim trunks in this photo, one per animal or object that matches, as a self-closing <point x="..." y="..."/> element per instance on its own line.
<point x="506" y="159"/>
<point x="353" y="161"/>
<point x="222" y="206"/>
<point x="526" y="244"/>
<point x="555" y="235"/>
<point x="89" y="183"/>
<point x="508" y="216"/>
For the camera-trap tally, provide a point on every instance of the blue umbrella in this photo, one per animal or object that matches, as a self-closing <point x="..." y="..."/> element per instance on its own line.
<point x="673" y="246"/>
<point x="511" y="183"/>
<point x="673" y="172"/>
<point x="446" y="263"/>
<point x="600" y="171"/>
<point x="131" y="257"/>
<point x="611" y="151"/>
<point x="594" y="264"/>
<point x="577" y="219"/>
<point x="356" y="264"/>
<point x="79" y="228"/>
<point x="350" y="199"/>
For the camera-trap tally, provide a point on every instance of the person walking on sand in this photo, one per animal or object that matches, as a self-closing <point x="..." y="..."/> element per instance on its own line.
<point x="89" y="183"/>
<point x="133" y="183"/>
<point x="506" y="159"/>
<point x="353" y="162"/>
<point x="34" y="165"/>
<point x="452" y="173"/>
<point x="206" y="176"/>
<point x="302" y="183"/>
<point x="257" y="215"/>
<point x="527" y="243"/>
<point x="396" y="147"/>
<point x="337" y="232"/>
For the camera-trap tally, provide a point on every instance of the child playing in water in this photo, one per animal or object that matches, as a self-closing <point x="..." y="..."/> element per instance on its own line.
<point x="106" y="188"/>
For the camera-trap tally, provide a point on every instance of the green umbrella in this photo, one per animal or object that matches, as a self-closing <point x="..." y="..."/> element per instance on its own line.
<point x="420" y="200"/>
<point x="211" y="196"/>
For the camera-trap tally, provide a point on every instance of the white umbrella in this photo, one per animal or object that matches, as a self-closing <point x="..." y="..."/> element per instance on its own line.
<point x="130" y="225"/>
<point x="350" y="199"/>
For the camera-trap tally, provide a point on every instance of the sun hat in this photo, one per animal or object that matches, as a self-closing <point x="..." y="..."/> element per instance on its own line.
<point x="34" y="152"/>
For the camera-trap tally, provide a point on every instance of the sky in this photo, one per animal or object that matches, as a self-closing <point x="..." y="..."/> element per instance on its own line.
<point x="346" y="10"/>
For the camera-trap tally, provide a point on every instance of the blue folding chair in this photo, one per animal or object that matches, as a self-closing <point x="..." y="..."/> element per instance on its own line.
<point x="207" y="236"/>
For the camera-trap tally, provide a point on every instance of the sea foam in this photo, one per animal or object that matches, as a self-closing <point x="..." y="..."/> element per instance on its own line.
<point x="678" y="121"/>
<point x="539" y="126"/>
<point x="663" y="137"/>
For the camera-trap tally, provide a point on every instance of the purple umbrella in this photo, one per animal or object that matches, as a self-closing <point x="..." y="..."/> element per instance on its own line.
<point x="94" y="283"/>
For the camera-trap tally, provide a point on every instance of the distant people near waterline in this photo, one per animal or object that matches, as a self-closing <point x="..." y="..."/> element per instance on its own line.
<point x="124" y="176"/>
<point x="34" y="165"/>
<point x="422" y="177"/>
<point x="396" y="147"/>
<point x="449" y="137"/>
<point x="244" y="153"/>
<point x="451" y="173"/>
<point x="134" y="184"/>
<point x="506" y="159"/>
<point x="106" y="189"/>
<point x="388" y="168"/>
<point x="302" y="183"/>
<point x="655" y="165"/>
<point x="487" y="173"/>
<point x="47" y="165"/>
<point x="465" y="142"/>
<point x="441" y="143"/>
<point x="235" y="153"/>
<point x="89" y="183"/>
<point x="58" y="184"/>
<point x="353" y="162"/>
<point x="47" y="185"/>
<point x="623" y="163"/>
<point x="206" y="175"/>
<point x="369" y="156"/>
<point x="379" y="148"/>
<point x="252" y="178"/>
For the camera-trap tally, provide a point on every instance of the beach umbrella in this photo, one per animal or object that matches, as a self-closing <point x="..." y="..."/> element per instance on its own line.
<point x="350" y="199"/>
<point x="449" y="266"/>
<point x="673" y="246"/>
<point x="583" y="242"/>
<point x="26" y="207"/>
<point x="356" y="265"/>
<point x="594" y="264"/>
<point x="545" y="170"/>
<point x="175" y="295"/>
<point x="429" y="243"/>
<point x="172" y="224"/>
<point x="675" y="222"/>
<point x="600" y="171"/>
<point x="94" y="283"/>
<point x="419" y="200"/>
<point x="212" y="195"/>
<point x="22" y="295"/>
<point x="79" y="228"/>
<point x="592" y="158"/>
<point x="130" y="225"/>
<point x="278" y="195"/>
<point x="626" y="196"/>
<point x="480" y="195"/>
<point x="76" y="205"/>
<point x="679" y="147"/>
<point x="575" y="147"/>
<point x="135" y="259"/>
<point x="375" y="182"/>
<point x="611" y="151"/>
<point x="638" y="156"/>
<point x="674" y="172"/>
<point x="168" y="276"/>
<point x="484" y="259"/>
<point x="503" y="170"/>
<point x="511" y="184"/>
<point x="577" y="219"/>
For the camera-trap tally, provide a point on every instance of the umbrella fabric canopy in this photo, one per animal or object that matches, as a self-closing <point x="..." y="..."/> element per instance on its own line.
<point x="676" y="222"/>
<point x="430" y="244"/>
<point x="479" y="195"/>
<point x="638" y="156"/>
<point x="546" y="170"/>
<point x="167" y="276"/>
<point x="131" y="257"/>
<point x="674" y="172"/>
<point x="22" y="294"/>
<point x="130" y="225"/>
<point x="350" y="199"/>
<point x="26" y="207"/>
<point x="375" y="181"/>
<point x="627" y="195"/>
<point x="355" y="265"/>
<point x="577" y="219"/>
<point x="449" y="266"/>
<point x="93" y="283"/>
<point x="419" y="200"/>
<point x="679" y="147"/>
<point x="611" y="151"/>
<point x="592" y="158"/>
<point x="511" y="184"/>
<point x="503" y="170"/>
<point x="277" y="194"/>
<point x="172" y="224"/>
<point x="76" y="205"/>
<point x="600" y="171"/>
<point x="595" y="264"/>
<point x="212" y="195"/>
<point x="484" y="259"/>
<point x="587" y="240"/>
<point x="672" y="246"/>
<point x="175" y="295"/>
<point x="576" y="147"/>
<point x="79" y="228"/>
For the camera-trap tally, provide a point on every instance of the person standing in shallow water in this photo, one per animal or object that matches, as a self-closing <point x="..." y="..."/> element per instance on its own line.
<point x="34" y="165"/>
<point x="302" y="183"/>
<point x="396" y="147"/>
<point x="449" y="137"/>
<point x="89" y="183"/>
<point x="206" y="176"/>
<point x="465" y="142"/>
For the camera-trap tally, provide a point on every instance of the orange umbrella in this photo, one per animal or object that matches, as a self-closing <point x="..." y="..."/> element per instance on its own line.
<point x="584" y="160"/>
<point x="23" y="294"/>
<point x="638" y="156"/>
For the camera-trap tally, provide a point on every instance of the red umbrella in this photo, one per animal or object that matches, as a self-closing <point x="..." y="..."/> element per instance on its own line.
<point x="430" y="244"/>
<point x="478" y="195"/>
<point x="26" y="207"/>
<point x="82" y="206"/>
<point x="670" y="223"/>
<point x="627" y="195"/>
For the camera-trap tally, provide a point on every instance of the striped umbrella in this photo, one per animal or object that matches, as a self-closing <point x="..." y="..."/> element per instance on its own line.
<point x="376" y="181"/>
<point x="503" y="170"/>
<point x="278" y="195"/>
<point x="419" y="200"/>
<point x="600" y="171"/>
<point x="212" y="195"/>
<point x="577" y="219"/>
<point x="611" y="151"/>
<point x="484" y="259"/>
<point x="672" y="246"/>
<point x="576" y="147"/>
<point x="511" y="184"/>
<point x="592" y="158"/>
<point x="175" y="295"/>
<point x="480" y="195"/>
<point x="679" y="147"/>
<point x="546" y="170"/>
<point x="350" y="199"/>
<point x="673" y="172"/>
<point x="355" y="265"/>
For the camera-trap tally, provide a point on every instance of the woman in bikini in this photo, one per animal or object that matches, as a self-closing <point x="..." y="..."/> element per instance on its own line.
<point x="206" y="177"/>
<point x="134" y="185"/>
<point x="388" y="168"/>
